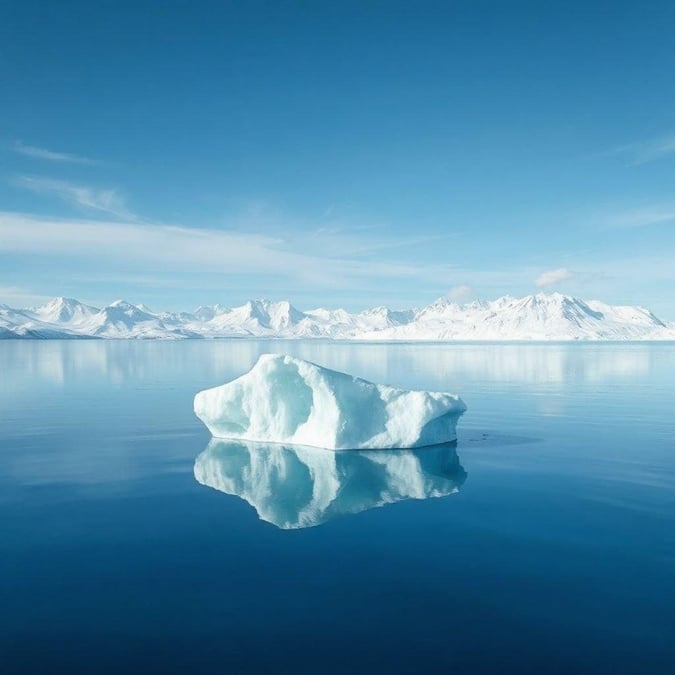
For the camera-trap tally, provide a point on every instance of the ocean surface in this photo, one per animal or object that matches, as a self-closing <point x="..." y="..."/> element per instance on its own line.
<point x="542" y="542"/>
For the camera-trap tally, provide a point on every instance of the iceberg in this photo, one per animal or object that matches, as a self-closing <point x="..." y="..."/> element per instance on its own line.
<point x="295" y="487"/>
<point x="287" y="400"/>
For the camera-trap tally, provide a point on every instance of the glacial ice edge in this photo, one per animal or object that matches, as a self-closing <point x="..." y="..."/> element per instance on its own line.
<point x="283" y="399"/>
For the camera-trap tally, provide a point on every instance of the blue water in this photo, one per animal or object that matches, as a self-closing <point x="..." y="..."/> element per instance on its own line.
<point x="542" y="542"/>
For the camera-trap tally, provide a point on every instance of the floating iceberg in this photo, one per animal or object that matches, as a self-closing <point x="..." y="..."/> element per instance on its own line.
<point x="287" y="400"/>
<point x="294" y="487"/>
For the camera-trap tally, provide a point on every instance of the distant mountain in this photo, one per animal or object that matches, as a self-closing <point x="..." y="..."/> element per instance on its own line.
<point x="64" y="311"/>
<point x="123" y="320"/>
<point x="535" y="317"/>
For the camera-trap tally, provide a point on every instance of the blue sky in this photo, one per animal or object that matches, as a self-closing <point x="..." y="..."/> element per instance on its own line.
<point x="337" y="153"/>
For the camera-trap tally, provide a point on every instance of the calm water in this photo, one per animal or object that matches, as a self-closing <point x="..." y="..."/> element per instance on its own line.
<point x="543" y="542"/>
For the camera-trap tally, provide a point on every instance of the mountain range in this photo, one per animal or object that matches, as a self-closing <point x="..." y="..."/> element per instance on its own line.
<point x="544" y="316"/>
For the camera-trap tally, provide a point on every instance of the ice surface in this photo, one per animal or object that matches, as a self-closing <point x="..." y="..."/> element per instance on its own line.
<point x="287" y="400"/>
<point x="294" y="487"/>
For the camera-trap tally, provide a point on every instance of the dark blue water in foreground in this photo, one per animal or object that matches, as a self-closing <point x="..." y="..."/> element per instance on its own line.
<point x="545" y="543"/>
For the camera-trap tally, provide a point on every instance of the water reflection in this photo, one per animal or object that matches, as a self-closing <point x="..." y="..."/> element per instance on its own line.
<point x="294" y="487"/>
<point x="206" y="362"/>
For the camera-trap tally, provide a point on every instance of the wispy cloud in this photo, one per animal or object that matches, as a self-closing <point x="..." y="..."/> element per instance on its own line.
<point x="19" y="297"/>
<point x="50" y="155"/>
<point x="552" y="277"/>
<point x="122" y="248"/>
<point x="167" y="248"/>
<point x="642" y="217"/>
<point x="108" y="201"/>
<point x="460" y="293"/>
<point x="366" y="239"/>
<point x="137" y="257"/>
<point x="648" y="151"/>
<point x="406" y="242"/>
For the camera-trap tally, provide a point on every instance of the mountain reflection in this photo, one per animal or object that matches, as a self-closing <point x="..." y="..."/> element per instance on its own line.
<point x="294" y="487"/>
<point x="429" y="366"/>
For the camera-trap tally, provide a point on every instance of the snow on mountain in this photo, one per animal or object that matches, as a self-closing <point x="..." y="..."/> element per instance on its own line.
<point x="64" y="311"/>
<point x="203" y="313"/>
<point x="383" y="317"/>
<point x="256" y="318"/>
<point x="11" y="319"/>
<point x="121" y="319"/>
<point x="535" y="317"/>
<point x="43" y="322"/>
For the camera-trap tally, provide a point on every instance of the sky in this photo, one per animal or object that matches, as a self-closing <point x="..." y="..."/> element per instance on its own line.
<point x="337" y="153"/>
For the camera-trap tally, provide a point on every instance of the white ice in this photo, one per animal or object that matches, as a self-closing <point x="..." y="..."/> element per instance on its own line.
<point x="287" y="400"/>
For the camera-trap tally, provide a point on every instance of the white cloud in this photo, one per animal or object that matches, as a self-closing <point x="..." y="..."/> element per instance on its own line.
<point x="640" y="217"/>
<point x="552" y="277"/>
<point x="649" y="151"/>
<point x="459" y="293"/>
<point x="166" y="248"/>
<point x="107" y="201"/>
<point x="50" y="155"/>
<point x="20" y="297"/>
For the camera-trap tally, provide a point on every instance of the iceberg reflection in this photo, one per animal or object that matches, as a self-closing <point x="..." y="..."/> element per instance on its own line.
<point x="296" y="486"/>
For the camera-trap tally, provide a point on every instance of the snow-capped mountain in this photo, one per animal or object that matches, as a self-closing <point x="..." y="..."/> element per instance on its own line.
<point x="121" y="319"/>
<point x="64" y="311"/>
<point x="256" y="317"/>
<point x="535" y="317"/>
